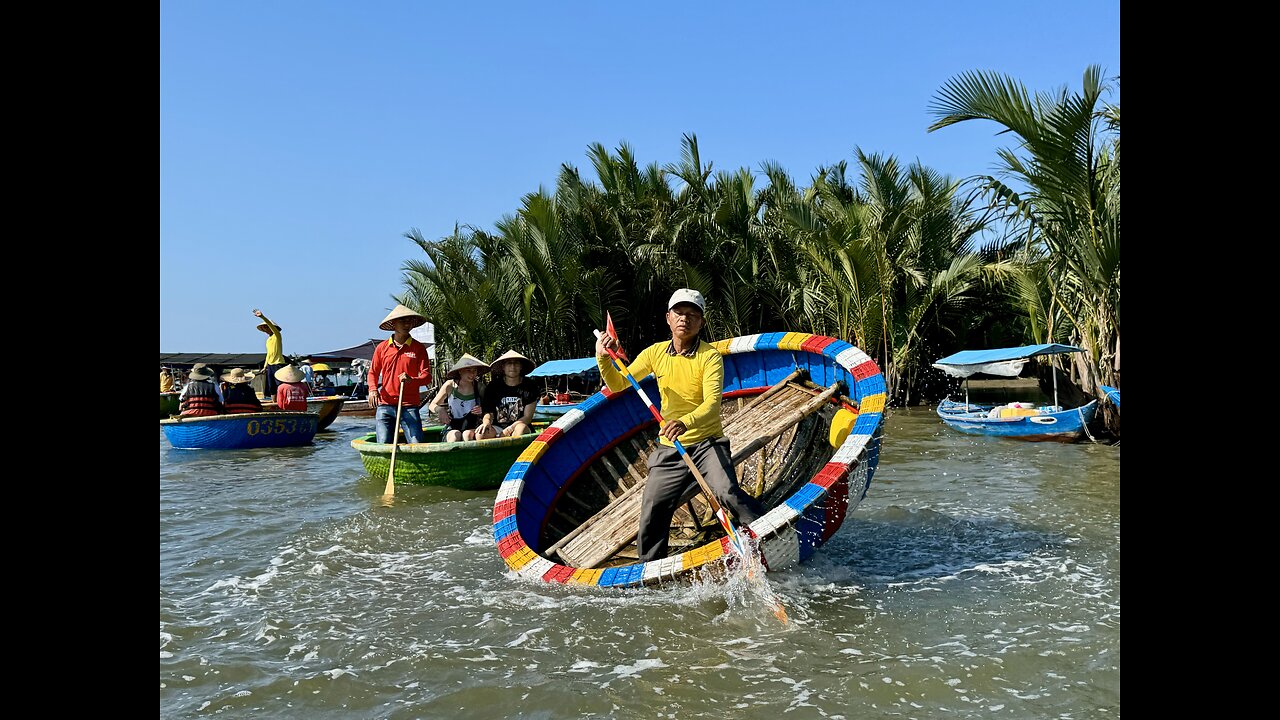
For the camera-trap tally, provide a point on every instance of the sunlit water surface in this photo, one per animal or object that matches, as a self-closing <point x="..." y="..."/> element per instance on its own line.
<point x="979" y="578"/>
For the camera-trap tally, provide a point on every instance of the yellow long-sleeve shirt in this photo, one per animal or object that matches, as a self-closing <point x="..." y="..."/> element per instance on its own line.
<point x="275" y="344"/>
<point x="690" y="387"/>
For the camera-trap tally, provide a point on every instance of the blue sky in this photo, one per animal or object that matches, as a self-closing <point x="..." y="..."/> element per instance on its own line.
<point x="299" y="141"/>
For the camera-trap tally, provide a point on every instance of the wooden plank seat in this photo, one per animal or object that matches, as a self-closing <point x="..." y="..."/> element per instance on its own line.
<point x="761" y="423"/>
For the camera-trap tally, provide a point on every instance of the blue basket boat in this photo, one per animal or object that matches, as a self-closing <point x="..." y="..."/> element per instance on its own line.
<point x="804" y="415"/>
<point x="241" y="431"/>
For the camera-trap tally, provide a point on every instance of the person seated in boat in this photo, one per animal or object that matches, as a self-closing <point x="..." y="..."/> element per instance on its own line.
<point x="400" y="362"/>
<point x="200" y="397"/>
<point x="166" y="380"/>
<point x="510" y="400"/>
<point x="690" y="375"/>
<point x="292" y="392"/>
<point x="563" y="399"/>
<point x="217" y="388"/>
<point x="457" y="405"/>
<point x="237" y="395"/>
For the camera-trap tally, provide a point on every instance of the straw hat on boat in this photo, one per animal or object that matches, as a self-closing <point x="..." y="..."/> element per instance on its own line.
<point x="236" y="377"/>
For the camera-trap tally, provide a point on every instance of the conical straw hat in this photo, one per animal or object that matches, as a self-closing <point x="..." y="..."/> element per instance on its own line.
<point x="400" y="311"/>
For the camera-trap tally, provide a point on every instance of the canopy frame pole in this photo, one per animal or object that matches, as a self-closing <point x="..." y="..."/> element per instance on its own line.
<point x="1053" y="368"/>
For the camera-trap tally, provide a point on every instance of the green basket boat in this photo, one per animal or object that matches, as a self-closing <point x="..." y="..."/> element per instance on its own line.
<point x="469" y="465"/>
<point x="168" y="404"/>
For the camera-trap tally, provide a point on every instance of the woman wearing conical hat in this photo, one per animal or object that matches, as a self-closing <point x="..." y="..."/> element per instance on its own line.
<point x="399" y="360"/>
<point x="292" y="392"/>
<point x="510" y="399"/>
<point x="458" y="402"/>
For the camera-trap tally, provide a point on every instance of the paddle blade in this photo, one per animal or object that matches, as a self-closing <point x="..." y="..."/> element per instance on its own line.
<point x="613" y="333"/>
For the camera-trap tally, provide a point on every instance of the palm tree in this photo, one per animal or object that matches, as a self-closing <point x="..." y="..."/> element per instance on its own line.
<point x="1067" y="159"/>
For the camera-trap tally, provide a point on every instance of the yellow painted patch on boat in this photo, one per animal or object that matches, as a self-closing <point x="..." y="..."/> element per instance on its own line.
<point x="722" y="346"/>
<point x="586" y="576"/>
<point x="872" y="403"/>
<point x="706" y="553"/>
<point x="841" y="424"/>
<point x="520" y="558"/>
<point x="793" y="341"/>
<point x="533" y="452"/>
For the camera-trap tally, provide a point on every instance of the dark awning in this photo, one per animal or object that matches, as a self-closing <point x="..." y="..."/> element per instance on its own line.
<point x="218" y="360"/>
<point x="363" y="351"/>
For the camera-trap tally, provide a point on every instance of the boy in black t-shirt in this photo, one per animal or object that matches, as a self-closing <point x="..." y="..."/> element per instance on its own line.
<point x="510" y="399"/>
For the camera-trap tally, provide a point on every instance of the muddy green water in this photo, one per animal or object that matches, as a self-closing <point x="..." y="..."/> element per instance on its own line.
<point x="979" y="579"/>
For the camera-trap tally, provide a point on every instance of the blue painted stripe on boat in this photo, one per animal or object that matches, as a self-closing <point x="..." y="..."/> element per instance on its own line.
<point x="629" y="575"/>
<point x="866" y="424"/>
<point x="871" y="386"/>
<point x="504" y="527"/>
<point x="805" y="495"/>
<point x="517" y="470"/>
<point x="606" y="577"/>
<point x="769" y="341"/>
<point x="592" y="402"/>
<point x="835" y="349"/>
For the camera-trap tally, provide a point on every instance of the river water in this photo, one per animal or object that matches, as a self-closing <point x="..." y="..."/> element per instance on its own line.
<point x="980" y="578"/>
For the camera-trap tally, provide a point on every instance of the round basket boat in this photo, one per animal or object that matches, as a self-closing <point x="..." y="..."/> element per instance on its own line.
<point x="803" y="414"/>
<point x="168" y="404"/>
<point x="467" y="465"/>
<point x="239" y="431"/>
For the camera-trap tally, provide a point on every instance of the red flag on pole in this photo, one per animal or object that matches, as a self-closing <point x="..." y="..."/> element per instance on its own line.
<point x="613" y="333"/>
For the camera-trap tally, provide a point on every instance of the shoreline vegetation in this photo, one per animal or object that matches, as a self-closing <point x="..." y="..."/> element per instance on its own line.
<point x="904" y="262"/>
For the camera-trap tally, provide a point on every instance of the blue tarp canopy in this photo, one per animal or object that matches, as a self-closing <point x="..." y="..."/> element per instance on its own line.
<point x="565" y="367"/>
<point x="1003" y="361"/>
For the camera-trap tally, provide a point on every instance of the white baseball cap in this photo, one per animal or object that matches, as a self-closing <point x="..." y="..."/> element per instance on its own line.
<point x="685" y="295"/>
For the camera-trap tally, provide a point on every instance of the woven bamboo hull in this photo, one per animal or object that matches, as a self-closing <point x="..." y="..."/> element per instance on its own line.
<point x="817" y="484"/>
<point x="472" y="465"/>
<point x="168" y="404"/>
<point x="241" y="431"/>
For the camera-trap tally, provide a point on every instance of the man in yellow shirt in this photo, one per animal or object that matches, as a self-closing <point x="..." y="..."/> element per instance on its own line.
<point x="690" y="376"/>
<point x="275" y="352"/>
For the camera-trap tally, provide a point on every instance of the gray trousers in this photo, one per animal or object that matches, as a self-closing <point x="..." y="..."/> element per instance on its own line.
<point x="669" y="477"/>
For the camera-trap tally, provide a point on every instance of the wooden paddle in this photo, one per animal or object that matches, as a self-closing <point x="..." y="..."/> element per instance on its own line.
<point x="735" y="538"/>
<point x="390" y="492"/>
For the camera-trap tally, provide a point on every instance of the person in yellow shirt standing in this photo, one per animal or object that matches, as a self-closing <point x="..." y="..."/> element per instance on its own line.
<point x="690" y="376"/>
<point x="275" y="353"/>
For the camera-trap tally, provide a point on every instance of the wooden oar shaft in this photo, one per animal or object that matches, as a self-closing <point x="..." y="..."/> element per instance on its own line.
<point x="395" y="445"/>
